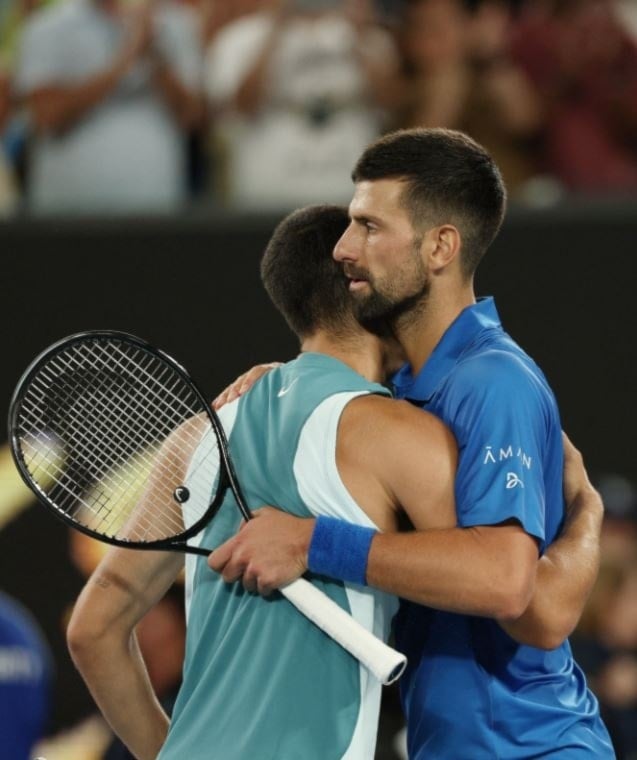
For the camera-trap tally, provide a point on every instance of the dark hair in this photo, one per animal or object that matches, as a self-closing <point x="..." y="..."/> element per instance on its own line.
<point x="449" y="178"/>
<point x="300" y="275"/>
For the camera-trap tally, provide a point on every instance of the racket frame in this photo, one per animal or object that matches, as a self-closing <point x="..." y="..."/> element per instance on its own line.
<point x="227" y="475"/>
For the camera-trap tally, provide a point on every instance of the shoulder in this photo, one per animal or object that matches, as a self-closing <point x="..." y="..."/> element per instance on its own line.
<point x="386" y="425"/>
<point x="499" y="390"/>
<point x="496" y="374"/>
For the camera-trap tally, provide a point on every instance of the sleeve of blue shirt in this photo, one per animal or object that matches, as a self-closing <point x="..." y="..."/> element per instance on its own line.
<point x="500" y="410"/>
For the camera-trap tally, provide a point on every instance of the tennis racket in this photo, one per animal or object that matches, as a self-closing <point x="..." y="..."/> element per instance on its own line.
<point x="116" y="439"/>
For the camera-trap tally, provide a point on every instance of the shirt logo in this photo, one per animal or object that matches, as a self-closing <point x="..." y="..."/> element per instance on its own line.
<point x="513" y="481"/>
<point x="283" y="391"/>
<point x="491" y="455"/>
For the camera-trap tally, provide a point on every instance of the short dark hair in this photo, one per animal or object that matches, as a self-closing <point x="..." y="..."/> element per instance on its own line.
<point x="300" y="275"/>
<point x="449" y="178"/>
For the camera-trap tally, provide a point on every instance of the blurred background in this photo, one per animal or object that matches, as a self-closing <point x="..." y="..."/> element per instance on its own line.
<point x="147" y="149"/>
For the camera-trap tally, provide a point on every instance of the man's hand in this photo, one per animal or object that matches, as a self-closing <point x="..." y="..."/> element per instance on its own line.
<point x="243" y="384"/>
<point x="270" y="551"/>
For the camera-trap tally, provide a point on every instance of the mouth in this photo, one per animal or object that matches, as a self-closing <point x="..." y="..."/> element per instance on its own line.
<point x="355" y="284"/>
<point x="356" y="279"/>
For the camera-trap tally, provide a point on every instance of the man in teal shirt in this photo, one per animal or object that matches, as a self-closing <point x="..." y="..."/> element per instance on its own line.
<point x="260" y="680"/>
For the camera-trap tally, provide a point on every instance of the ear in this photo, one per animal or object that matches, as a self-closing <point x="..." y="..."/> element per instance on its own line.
<point x="443" y="247"/>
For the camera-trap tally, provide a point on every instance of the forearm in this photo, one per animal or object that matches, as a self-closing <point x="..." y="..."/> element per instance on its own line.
<point x="56" y="109"/>
<point x="102" y="643"/>
<point x="459" y="570"/>
<point x="565" y="577"/>
<point x="115" y="673"/>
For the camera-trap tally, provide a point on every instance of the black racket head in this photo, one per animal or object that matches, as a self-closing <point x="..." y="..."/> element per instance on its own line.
<point x="116" y="439"/>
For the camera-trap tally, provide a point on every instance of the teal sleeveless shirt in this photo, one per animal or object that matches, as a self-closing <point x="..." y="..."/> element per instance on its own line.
<point x="260" y="681"/>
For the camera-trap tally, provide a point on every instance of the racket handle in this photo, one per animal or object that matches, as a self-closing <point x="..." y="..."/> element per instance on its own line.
<point x="385" y="663"/>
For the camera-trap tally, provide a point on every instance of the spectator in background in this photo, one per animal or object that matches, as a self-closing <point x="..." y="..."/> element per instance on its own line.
<point x="12" y="14"/>
<point x="7" y="185"/>
<point x="458" y="75"/>
<point x="212" y="16"/>
<point x="583" y="62"/>
<point x="111" y="92"/>
<point x="25" y="672"/>
<point x="298" y="91"/>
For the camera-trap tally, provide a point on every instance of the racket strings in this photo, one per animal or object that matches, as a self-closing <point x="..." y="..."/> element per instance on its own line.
<point x="77" y="416"/>
<point x="72" y="429"/>
<point x="99" y="500"/>
<point x="132" y="409"/>
<point x="94" y="423"/>
<point x="86" y="454"/>
<point x="190" y="406"/>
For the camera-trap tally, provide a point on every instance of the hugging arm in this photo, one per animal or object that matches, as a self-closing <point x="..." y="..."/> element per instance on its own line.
<point x="568" y="570"/>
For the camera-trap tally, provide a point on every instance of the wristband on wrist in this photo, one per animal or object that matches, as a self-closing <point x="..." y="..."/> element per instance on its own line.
<point x="340" y="550"/>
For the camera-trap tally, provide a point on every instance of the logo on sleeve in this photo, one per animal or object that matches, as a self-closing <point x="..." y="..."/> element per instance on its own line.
<point x="492" y="455"/>
<point x="513" y="481"/>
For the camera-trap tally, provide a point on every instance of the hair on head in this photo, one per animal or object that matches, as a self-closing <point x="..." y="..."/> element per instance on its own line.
<point x="449" y="179"/>
<point x="300" y="275"/>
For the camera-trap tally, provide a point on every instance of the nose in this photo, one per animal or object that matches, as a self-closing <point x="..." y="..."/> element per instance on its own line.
<point x="345" y="249"/>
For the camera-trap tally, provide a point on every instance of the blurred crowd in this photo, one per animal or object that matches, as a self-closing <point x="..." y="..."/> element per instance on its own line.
<point x="147" y="106"/>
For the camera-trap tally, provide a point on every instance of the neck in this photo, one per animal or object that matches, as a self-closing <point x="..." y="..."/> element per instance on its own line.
<point x="362" y="352"/>
<point x="420" y="331"/>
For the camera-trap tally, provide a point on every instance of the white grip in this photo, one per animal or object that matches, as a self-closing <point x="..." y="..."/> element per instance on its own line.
<point x="381" y="660"/>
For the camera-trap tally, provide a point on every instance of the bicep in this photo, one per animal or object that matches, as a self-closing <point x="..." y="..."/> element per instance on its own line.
<point x="513" y="557"/>
<point x="509" y="539"/>
<point x="423" y="468"/>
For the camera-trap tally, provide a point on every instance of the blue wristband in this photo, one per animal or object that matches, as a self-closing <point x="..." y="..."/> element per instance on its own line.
<point x="339" y="550"/>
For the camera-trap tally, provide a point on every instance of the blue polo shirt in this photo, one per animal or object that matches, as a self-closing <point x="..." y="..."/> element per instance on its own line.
<point x="471" y="691"/>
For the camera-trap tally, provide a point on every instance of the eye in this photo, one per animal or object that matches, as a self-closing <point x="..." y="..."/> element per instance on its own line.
<point x="366" y="224"/>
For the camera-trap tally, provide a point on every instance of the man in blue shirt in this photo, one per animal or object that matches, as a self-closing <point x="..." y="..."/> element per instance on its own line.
<point x="427" y="205"/>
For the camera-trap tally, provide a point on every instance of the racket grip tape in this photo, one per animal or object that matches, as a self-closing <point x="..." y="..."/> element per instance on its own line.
<point x="385" y="663"/>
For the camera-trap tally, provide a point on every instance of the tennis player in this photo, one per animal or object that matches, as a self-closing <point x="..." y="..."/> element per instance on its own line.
<point x="260" y="680"/>
<point x="426" y="207"/>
